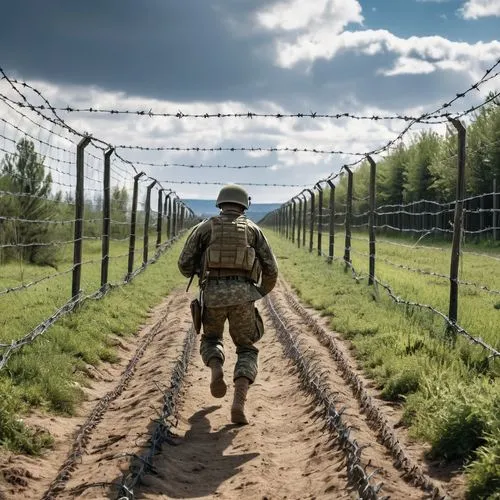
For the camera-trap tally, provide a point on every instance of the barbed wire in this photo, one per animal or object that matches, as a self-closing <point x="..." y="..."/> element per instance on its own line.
<point x="32" y="137"/>
<point x="251" y="114"/>
<point x="202" y="166"/>
<point x="455" y="326"/>
<point x="233" y="149"/>
<point x="163" y="425"/>
<point x="313" y="381"/>
<point x="216" y="183"/>
<point x="485" y="288"/>
<point x="70" y="305"/>
<point x="13" y="105"/>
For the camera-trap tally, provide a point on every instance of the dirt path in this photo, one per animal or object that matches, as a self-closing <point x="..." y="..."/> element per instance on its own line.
<point x="287" y="451"/>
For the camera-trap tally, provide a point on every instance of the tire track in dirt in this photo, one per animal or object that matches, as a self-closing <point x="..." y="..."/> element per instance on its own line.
<point x="283" y="452"/>
<point x="105" y="449"/>
<point x="400" y="472"/>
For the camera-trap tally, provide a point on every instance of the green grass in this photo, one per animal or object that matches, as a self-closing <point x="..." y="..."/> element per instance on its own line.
<point x="49" y="373"/>
<point x="450" y="390"/>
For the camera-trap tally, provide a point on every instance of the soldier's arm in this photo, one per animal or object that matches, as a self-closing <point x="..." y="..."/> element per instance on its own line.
<point x="190" y="257"/>
<point x="267" y="262"/>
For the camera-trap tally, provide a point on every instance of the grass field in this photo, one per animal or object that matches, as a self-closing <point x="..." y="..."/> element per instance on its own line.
<point x="450" y="393"/>
<point x="22" y="310"/>
<point x="48" y="373"/>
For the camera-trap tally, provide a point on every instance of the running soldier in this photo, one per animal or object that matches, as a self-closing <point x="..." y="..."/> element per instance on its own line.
<point x="236" y="267"/>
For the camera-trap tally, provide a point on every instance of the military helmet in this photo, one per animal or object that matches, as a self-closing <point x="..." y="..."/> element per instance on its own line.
<point x="232" y="193"/>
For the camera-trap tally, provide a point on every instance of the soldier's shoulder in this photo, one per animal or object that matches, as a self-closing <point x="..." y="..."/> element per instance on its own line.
<point x="254" y="226"/>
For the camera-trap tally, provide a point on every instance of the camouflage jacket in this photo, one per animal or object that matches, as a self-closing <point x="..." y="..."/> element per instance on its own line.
<point x="222" y="293"/>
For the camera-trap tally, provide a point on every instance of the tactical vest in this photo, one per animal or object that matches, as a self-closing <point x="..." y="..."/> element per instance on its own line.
<point x="229" y="252"/>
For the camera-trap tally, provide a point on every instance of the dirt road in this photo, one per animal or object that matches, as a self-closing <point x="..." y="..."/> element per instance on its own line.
<point x="317" y="429"/>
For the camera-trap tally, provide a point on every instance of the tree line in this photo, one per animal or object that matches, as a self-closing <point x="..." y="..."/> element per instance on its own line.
<point x="426" y="167"/>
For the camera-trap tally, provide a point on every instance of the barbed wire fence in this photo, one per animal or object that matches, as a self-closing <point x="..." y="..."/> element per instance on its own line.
<point x="312" y="215"/>
<point x="74" y="206"/>
<point x="84" y="169"/>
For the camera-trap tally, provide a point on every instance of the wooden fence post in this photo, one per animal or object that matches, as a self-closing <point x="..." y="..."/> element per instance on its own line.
<point x="294" y="218"/>
<point x="79" y="213"/>
<point x="458" y="220"/>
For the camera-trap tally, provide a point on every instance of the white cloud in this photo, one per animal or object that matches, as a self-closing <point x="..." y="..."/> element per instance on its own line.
<point x="297" y="14"/>
<point x="430" y="52"/>
<point x="409" y="65"/>
<point x="474" y="9"/>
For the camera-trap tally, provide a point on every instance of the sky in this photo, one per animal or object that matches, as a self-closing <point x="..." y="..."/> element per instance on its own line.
<point x="364" y="57"/>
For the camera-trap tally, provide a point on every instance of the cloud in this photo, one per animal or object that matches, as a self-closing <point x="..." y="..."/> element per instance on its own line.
<point x="409" y="65"/>
<point x="474" y="9"/>
<point x="433" y="48"/>
<point x="293" y="15"/>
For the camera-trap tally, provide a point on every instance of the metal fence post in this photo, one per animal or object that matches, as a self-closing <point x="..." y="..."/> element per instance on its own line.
<point x="167" y="210"/>
<point x="287" y="220"/>
<point x="160" y="217"/>
<point x="106" y="217"/>
<point x="304" y="220"/>
<point x="294" y="218"/>
<point x="320" y="216"/>
<point x="495" y="208"/>
<point x="299" y="220"/>
<point x="371" y="220"/>
<point x="311" y="222"/>
<point x="458" y="220"/>
<point x="79" y="213"/>
<point x="183" y="215"/>
<point x="133" y="224"/>
<point x="174" y="217"/>
<point x="331" y="228"/>
<point x="147" y="211"/>
<point x="348" y="218"/>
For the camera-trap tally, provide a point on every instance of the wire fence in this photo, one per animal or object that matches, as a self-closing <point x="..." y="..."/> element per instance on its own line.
<point x="76" y="220"/>
<point x="313" y="216"/>
<point x="76" y="204"/>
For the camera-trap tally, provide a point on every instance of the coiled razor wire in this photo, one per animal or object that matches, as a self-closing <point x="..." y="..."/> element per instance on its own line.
<point x="313" y="383"/>
<point x="144" y="464"/>
<point x="82" y="438"/>
<point x="375" y="417"/>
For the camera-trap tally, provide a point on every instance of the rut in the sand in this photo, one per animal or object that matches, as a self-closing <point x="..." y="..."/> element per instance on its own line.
<point x="285" y="452"/>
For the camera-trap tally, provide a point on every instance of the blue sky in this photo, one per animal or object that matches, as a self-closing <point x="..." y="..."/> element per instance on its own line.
<point x="289" y="56"/>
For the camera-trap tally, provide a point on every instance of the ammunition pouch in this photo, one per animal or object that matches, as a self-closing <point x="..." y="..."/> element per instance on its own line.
<point x="259" y="325"/>
<point x="196" y="313"/>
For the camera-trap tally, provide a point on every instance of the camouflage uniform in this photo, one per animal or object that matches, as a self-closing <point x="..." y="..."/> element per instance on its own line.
<point x="231" y="297"/>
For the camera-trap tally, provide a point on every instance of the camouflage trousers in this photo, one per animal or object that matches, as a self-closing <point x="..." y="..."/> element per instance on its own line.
<point x="245" y="327"/>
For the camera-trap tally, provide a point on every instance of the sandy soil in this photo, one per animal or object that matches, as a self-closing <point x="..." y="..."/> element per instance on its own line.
<point x="285" y="452"/>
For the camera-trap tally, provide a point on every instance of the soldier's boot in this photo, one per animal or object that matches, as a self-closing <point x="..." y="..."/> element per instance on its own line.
<point x="218" y="385"/>
<point x="240" y="395"/>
